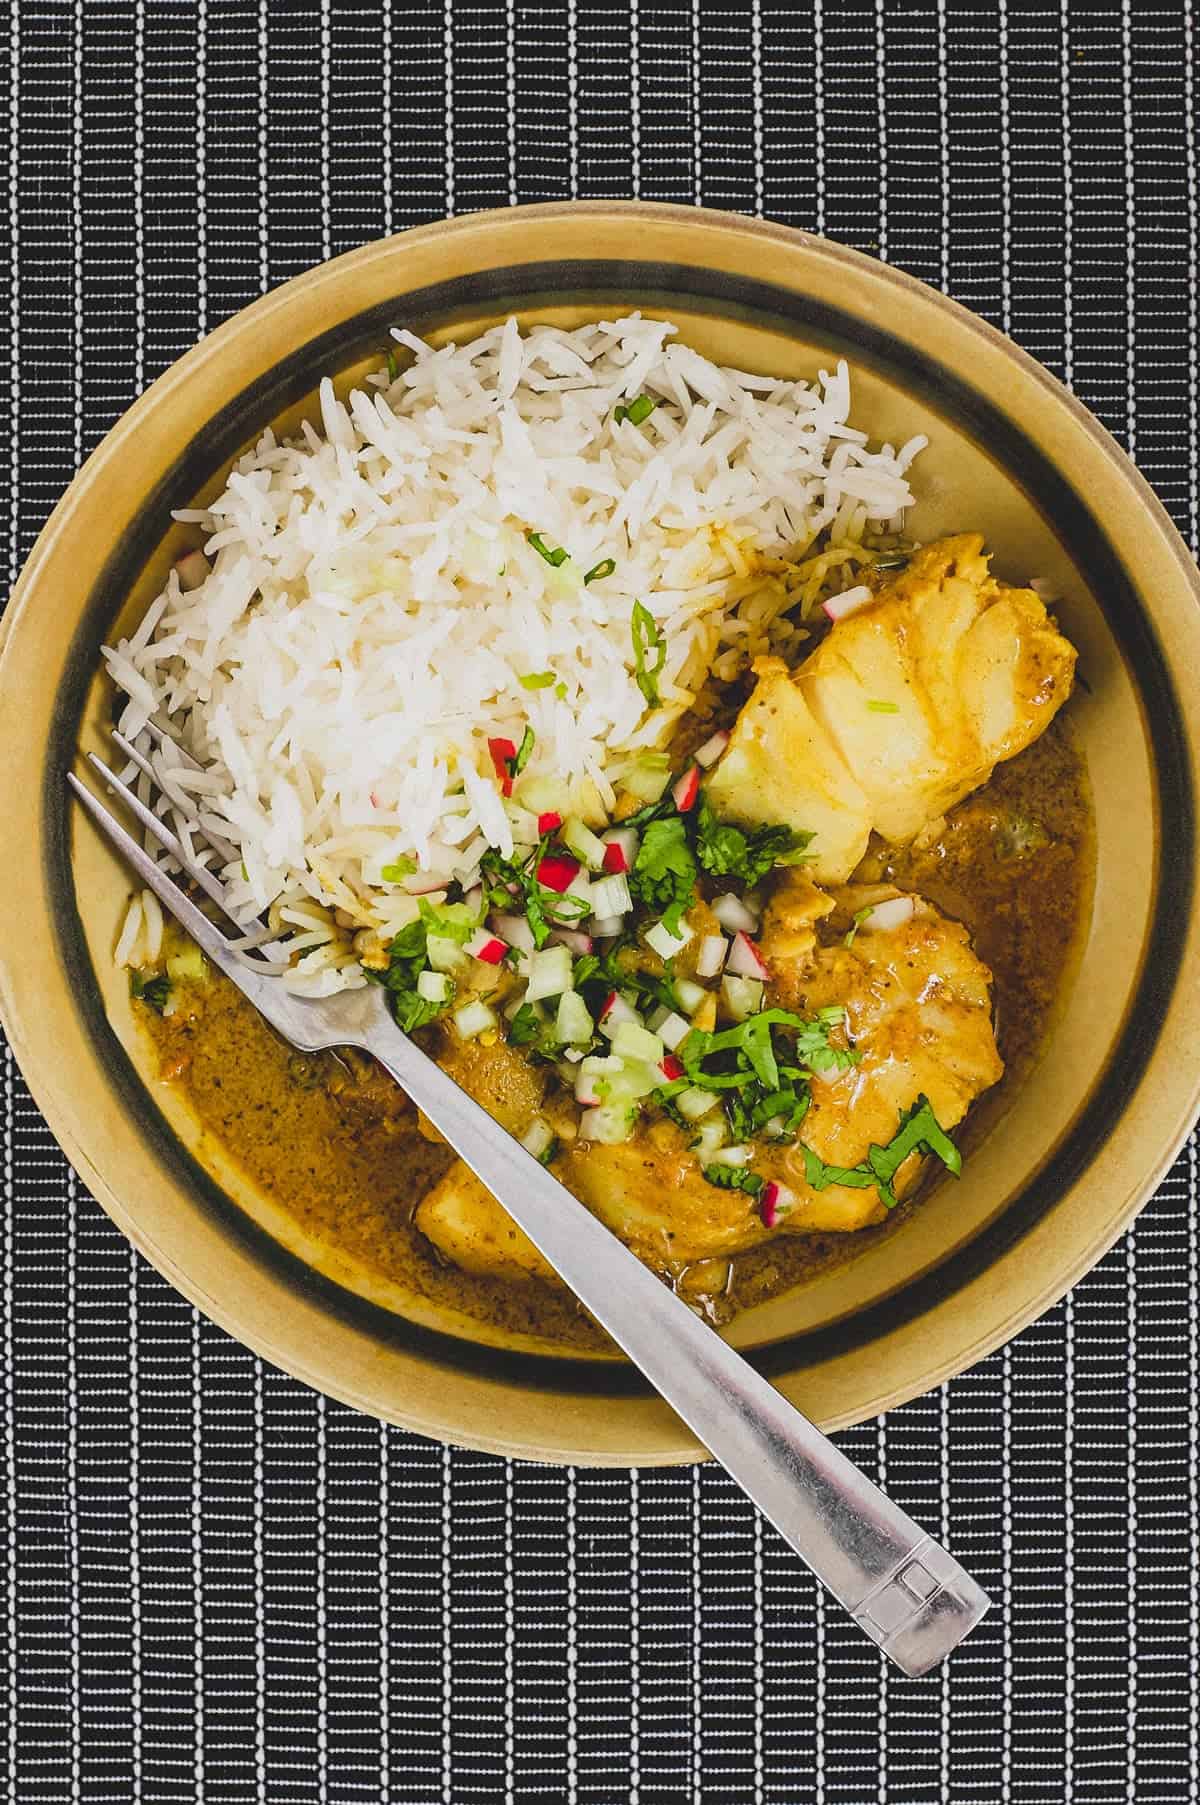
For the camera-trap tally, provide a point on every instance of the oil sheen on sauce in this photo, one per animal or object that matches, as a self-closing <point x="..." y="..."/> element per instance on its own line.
<point x="336" y="1144"/>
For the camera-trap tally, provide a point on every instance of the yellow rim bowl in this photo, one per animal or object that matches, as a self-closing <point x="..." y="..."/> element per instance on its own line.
<point x="1082" y="1142"/>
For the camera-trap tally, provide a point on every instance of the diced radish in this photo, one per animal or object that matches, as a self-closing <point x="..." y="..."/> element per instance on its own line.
<point x="733" y="1156"/>
<point x="670" y="1067"/>
<point x="690" y="995"/>
<point x="578" y="943"/>
<point x="614" y="1011"/>
<point x="712" y="749"/>
<point x="662" y="941"/>
<point x="573" y="1024"/>
<point x="433" y="986"/>
<point x="607" y="927"/>
<point x="685" y="789"/>
<point x="744" y="960"/>
<point x="488" y="947"/>
<point x="620" y="849"/>
<point x="557" y="872"/>
<point x="695" y="1102"/>
<point x="839" y="606"/>
<point x="892" y="913"/>
<point x="503" y="752"/>
<point x="610" y="896"/>
<point x="590" y="1071"/>
<point x="672" y="1030"/>
<point x="632" y="1042"/>
<point x="714" y="949"/>
<point x="538" y="1138"/>
<point x="549" y="822"/>
<point x="549" y="973"/>
<point x="733" y="914"/>
<point x="474" y="1019"/>
<point x="192" y="569"/>
<point x="775" y="1203"/>
<point x="515" y="931"/>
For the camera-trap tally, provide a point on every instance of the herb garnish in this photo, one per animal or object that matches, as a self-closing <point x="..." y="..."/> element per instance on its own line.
<point x="860" y="915"/>
<point x="647" y="639"/>
<point x="509" y="884"/>
<point x="523" y="751"/>
<point x="555" y="557"/>
<point x="537" y="680"/>
<point x="399" y="868"/>
<point x="407" y="957"/>
<point x="636" y="412"/>
<point x="919" y="1131"/>
<point x="392" y="366"/>
<point x="154" y="992"/>
<point x="605" y="568"/>
<point x="735" y="1178"/>
<point x="663" y="875"/>
<point x="745" y="853"/>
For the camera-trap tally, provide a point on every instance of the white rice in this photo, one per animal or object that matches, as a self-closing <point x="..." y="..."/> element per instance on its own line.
<point x="373" y="602"/>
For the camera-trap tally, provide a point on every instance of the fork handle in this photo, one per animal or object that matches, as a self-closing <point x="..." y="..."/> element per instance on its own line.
<point x="900" y="1586"/>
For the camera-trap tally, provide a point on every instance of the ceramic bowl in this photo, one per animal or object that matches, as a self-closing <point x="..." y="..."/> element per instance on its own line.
<point x="1084" y="1139"/>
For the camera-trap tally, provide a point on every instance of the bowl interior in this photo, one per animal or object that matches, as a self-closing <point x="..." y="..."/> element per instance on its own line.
<point x="911" y="1304"/>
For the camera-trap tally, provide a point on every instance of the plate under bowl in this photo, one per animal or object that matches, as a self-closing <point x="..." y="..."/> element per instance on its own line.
<point x="1085" y="1137"/>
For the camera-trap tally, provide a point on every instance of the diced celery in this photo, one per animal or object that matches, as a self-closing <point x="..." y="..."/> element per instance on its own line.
<point x="583" y="843"/>
<point x="610" y="896"/>
<point x="444" y="954"/>
<point x="188" y="965"/>
<point x="632" y="1042"/>
<point x="434" y="986"/>
<point x="609" y="1124"/>
<point x="742" y="997"/>
<point x="712" y="1134"/>
<point x="672" y="1030"/>
<point x="538" y="1138"/>
<point x="648" y="776"/>
<point x="694" y="1103"/>
<point x="573" y="1025"/>
<point x="661" y="940"/>
<point x="474" y="1019"/>
<point x="690" y="995"/>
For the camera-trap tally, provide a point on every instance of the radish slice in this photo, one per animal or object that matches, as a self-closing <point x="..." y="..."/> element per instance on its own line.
<point x="503" y="752"/>
<point x="711" y="750"/>
<point x="515" y="930"/>
<point x="685" y="789"/>
<point x="839" y="606"/>
<point x="615" y="1011"/>
<point x="557" y="872"/>
<point x="488" y="947"/>
<point x="890" y="914"/>
<point x="549" y="822"/>
<point x="192" y="570"/>
<point x="578" y="943"/>
<point x="775" y="1202"/>
<point x="712" y="954"/>
<point x="744" y="959"/>
<point x="620" y="850"/>
<point x="733" y="914"/>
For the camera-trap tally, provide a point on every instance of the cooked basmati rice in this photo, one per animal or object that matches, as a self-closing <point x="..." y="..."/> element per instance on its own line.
<point x="374" y="602"/>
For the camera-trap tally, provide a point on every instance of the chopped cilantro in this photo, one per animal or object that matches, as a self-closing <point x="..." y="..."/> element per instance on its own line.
<point x="664" y="872"/>
<point x="744" y="853"/>
<point x="647" y="640"/>
<point x="735" y="1178"/>
<point x="399" y="868"/>
<point x="407" y="957"/>
<point x="509" y="884"/>
<point x="154" y="992"/>
<point x="919" y="1131"/>
<point x="537" y="680"/>
<point x="860" y="915"/>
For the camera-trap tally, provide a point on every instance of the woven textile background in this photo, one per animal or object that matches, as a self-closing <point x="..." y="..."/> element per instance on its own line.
<point x="219" y="1586"/>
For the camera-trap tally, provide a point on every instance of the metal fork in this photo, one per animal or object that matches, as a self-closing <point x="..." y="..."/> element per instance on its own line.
<point x="900" y="1586"/>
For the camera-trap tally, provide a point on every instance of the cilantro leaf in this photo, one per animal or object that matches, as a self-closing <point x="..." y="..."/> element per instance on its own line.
<point x="664" y="872"/>
<point x="407" y="957"/>
<point x="744" y="853"/>
<point x="154" y="992"/>
<point x="919" y="1131"/>
<point x="734" y="1178"/>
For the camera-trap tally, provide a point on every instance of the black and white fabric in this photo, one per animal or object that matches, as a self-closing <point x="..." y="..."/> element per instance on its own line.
<point x="221" y="1587"/>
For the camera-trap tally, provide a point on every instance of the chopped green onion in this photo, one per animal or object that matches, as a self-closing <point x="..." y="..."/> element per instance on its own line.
<point x="605" y="568"/>
<point x="556" y="557"/>
<point x="392" y="368"/>
<point x="154" y="992"/>
<point x="860" y="915"/>
<point x="636" y="412"/>
<point x="523" y="751"/>
<point x="734" y="1178"/>
<point x="537" y="680"/>
<point x="647" y="638"/>
<point x="883" y="707"/>
<point x="560" y="690"/>
<point x="399" y="868"/>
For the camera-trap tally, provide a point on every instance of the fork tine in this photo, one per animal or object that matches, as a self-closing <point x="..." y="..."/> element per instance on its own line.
<point x="161" y="832"/>
<point x="221" y="847"/>
<point x="209" y="938"/>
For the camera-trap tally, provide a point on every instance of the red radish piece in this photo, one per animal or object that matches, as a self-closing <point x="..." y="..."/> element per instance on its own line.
<point x="670" y="1067"/>
<point x="892" y="913"/>
<point x="192" y="570"/>
<point x="744" y="959"/>
<point x="550" y="822"/>
<point x="615" y="1011"/>
<point x="839" y="606"/>
<point x="503" y="751"/>
<point x="768" y="1207"/>
<point x="711" y="750"/>
<point x="485" y="946"/>
<point x="558" y="872"/>
<point x="620" y="850"/>
<point x="577" y="943"/>
<point x="515" y="930"/>
<point x="733" y="914"/>
<point x="375" y="802"/>
<point x="685" y="789"/>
